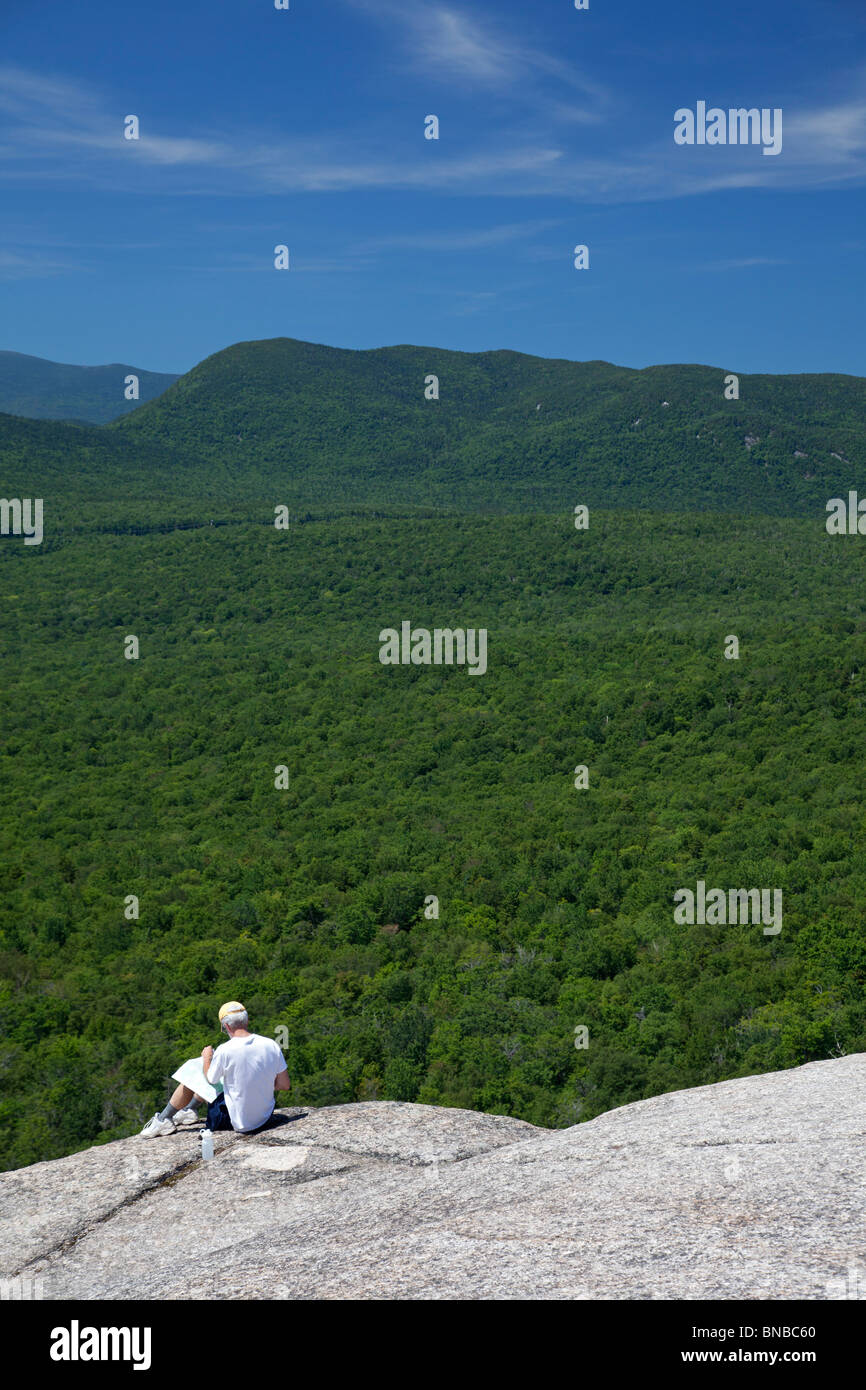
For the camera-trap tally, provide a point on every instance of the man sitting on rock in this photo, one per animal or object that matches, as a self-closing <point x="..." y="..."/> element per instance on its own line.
<point x="238" y="1081"/>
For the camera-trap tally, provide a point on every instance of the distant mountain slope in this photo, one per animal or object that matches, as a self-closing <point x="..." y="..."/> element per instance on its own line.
<point x="87" y="467"/>
<point x="510" y="431"/>
<point x="312" y="426"/>
<point x="43" y="390"/>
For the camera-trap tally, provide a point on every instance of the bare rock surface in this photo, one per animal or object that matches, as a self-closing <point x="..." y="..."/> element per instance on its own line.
<point x="747" y="1189"/>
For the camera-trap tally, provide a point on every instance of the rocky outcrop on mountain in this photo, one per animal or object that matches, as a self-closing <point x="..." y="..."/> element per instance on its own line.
<point x="747" y="1189"/>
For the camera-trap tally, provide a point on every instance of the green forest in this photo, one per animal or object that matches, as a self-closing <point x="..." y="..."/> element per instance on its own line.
<point x="259" y="648"/>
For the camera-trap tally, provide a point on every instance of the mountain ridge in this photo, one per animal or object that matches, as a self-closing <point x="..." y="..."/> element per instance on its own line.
<point x="281" y="420"/>
<point x="511" y="431"/>
<point x="38" y="388"/>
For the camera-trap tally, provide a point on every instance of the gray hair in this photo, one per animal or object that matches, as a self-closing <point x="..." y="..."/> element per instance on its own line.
<point x="237" y="1020"/>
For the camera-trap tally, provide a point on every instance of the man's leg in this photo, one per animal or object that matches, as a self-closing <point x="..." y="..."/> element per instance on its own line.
<point x="179" y="1101"/>
<point x="179" y="1111"/>
<point x="188" y="1114"/>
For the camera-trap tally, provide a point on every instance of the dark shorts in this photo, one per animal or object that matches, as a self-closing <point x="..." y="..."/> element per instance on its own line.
<point x="218" y="1116"/>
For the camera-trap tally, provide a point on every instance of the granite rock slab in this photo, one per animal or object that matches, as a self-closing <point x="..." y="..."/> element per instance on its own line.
<point x="751" y="1188"/>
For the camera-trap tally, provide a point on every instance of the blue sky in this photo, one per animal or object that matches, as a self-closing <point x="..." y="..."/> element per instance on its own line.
<point x="306" y="127"/>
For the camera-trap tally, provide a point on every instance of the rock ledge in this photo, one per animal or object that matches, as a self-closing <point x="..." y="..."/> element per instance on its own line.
<point x="747" y="1189"/>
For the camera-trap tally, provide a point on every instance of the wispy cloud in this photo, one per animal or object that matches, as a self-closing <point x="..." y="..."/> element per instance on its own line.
<point x="473" y="240"/>
<point x="247" y="263"/>
<point x="33" y="265"/>
<point x="744" y="263"/>
<point x="464" y="303"/>
<point x="53" y="116"/>
<point x="315" y="169"/>
<point x="833" y="134"/>
<point x="62" y="132"/>
<point x="462" y="48"/>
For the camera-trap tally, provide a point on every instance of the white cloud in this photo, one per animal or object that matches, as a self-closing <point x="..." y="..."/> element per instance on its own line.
<point x="744" y="263"/>
<point x="63" y="132"/>
<point x="33" y="265"/>
<point x="444" y="39"/>
<point x="453" y="45"/>
<point x="462" y="240"/>
<point x="834" y="133"/>
<point x="54" y="116"/>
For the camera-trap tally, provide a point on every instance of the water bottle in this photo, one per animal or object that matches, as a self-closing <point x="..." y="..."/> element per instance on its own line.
<point x="207" y="1143"/>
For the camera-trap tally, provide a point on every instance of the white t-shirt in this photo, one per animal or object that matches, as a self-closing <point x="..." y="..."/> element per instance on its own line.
<point x="247" y="1067"/>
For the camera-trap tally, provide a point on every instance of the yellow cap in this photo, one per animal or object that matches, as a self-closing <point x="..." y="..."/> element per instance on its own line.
<point x="232" y="1007"/>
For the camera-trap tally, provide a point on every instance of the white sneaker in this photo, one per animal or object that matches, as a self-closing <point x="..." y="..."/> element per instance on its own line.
<point x="157" y="1127"/>
<point x="186" y="1117"/>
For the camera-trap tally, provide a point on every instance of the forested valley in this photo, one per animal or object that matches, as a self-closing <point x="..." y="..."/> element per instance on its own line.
<point x="259" y="648"/>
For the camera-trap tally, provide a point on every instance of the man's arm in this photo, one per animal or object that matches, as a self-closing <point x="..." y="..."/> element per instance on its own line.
<point x="282" y="1082"/>
<point x="206" y="1059"/>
